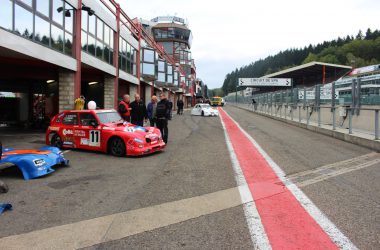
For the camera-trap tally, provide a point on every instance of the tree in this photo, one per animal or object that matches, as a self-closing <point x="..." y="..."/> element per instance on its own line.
<point x="347" y="51"/>
<point x="359" y="36"/>
<point x="310" y="58"/>
<point x="368" y="34"/>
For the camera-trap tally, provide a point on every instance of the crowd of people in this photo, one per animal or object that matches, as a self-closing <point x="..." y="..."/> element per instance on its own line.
<point x="158" y="112"/>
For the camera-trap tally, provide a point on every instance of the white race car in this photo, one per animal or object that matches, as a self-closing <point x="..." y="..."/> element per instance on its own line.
<point x="204" y="110"/>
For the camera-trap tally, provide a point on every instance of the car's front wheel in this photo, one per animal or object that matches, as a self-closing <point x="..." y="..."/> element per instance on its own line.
<point x="56" y="141"/>
<point x="203" y="113"/>
<point x="117" y="147"/>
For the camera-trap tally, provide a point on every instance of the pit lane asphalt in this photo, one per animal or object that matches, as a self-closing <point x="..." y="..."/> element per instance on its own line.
<point x="195" y="162"/>
<point x="350" y="200"/>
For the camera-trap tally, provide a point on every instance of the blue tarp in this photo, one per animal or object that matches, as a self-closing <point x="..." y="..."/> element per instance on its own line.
<point x="4" y="207"/>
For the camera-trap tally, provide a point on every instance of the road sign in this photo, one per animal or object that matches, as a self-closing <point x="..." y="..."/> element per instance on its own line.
<point x="264" y="82"/>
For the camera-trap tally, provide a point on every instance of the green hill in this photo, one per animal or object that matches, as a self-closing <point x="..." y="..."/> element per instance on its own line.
<point x="362" y="50"/>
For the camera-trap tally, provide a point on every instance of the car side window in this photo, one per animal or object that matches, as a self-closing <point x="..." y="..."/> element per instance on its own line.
<point x="70" y="119"/>
<point x="86" y="118"/>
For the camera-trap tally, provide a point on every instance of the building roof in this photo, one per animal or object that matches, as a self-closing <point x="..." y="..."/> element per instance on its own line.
<point x="170" y="25"/>
<point x="310" y="69"/>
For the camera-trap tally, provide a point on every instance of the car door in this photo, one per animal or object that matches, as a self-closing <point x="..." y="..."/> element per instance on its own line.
<point x="194" y="110"/>
<point x="198" y="109"/>
<point x="69" y="124"/>
<point x="89" y="133"/>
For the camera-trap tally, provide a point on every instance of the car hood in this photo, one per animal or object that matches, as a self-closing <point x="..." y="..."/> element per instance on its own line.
<point x="132" y="130"/>
<point x="210" y="110"/>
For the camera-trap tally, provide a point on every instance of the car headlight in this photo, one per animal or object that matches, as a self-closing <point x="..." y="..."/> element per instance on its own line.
<point x="129" y="129"/>
<point x="39" y="162"/>
<point x="138" y="140"/>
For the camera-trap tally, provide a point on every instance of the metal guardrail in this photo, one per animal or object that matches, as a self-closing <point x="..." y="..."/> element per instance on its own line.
<point x="275" y="110"/>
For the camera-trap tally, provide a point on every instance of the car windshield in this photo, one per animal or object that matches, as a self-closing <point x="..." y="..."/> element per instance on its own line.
<point x="109" y="117"/>
<point x="205" y="106"/>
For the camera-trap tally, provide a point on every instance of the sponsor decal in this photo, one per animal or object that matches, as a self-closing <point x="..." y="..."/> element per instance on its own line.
<point x="69" y="141"/>
<point x="80" y="133"/>
<point x="67" y="132"/>
<point x="84" y="141"/>
<point x="39" y="162"/>
<point x="107" y="128"/>
<point x="54" y="128"/>
<point x="94" y="138"/>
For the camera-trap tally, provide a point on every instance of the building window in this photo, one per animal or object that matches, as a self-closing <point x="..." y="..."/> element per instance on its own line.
<point x="39" y="20"/>
<point x="148" y="63"/>
<point x="161" y="71"/>
<point x="42" y="31"/>
<point x="23" y="22"/>
<point x="6" y="11"/>
<point x="43" y="7"/>
<point x="97" y="38"/>
<point x="169" y="74"/>
<point x="127" y="57"/>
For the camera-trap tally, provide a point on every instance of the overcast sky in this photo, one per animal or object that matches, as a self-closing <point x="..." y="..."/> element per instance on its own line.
<point x="230" y="34"/>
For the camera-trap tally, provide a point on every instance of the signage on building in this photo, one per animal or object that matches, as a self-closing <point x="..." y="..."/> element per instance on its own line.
<point x="325" y="92"/>
<point x="265" y="82"/>
<point x="310" y="95"/>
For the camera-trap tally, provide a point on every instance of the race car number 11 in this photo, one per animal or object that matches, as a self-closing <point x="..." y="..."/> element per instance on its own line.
<point x="94" y="138"/>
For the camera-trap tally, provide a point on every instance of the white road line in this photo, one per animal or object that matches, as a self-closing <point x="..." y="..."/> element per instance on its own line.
<point x="326" y="176"/>
<point x="339" y="164"/>
<point x="120" y="225"/>
<point x="66" y="151"/>
<point x="334" y="233"/>
<point x="258" y="236"/>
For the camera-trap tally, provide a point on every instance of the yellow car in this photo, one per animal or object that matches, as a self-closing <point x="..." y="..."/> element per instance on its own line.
<point x="217" y="101"/>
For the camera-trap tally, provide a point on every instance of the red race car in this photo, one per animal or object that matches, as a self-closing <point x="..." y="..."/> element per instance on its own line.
<point x="104" y="131"/>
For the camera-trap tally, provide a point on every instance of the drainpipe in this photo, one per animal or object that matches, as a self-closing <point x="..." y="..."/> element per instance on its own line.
<point x="78" y="51"/>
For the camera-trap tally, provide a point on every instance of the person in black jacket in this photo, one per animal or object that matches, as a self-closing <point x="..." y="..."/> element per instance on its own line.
<point x="138" y="111"/>
<point x="163" y="115"/>
<point x="180" y="107"/>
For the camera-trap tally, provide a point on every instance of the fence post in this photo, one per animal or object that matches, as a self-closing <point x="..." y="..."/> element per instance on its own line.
<point x="299" y="114"/>
<point x="350" y="122"/>
<point x="376" y="124"/>
<point x="333" y="118"/>
<point x="333" y="109"/>
<point x="307" y="115"/>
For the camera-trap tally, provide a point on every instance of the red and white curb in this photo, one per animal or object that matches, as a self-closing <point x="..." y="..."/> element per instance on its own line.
<point x="280" y="216"/>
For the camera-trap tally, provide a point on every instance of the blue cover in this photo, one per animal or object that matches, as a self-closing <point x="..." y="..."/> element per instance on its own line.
<point x="4" y="207"/>
<point x="33" y="164"/>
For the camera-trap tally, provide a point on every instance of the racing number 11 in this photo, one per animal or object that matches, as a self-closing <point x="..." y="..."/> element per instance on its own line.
<point x="94" y="138"/>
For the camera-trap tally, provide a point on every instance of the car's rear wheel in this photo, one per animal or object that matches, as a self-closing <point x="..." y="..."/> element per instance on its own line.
<point x="117" y="147"/>
<point x="203" y="113"/>
<point x="56" y="141"/>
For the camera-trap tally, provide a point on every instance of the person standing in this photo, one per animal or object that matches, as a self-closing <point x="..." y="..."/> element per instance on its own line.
<point x="124" y="109"/>
<point x="180" y="107"/>
<point x="138" y="112"/>
<point x="151" y="111"/>
<point x="163" y="115"/>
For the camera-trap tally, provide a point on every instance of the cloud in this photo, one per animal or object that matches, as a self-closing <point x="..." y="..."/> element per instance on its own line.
<point x="230" y="34"/>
